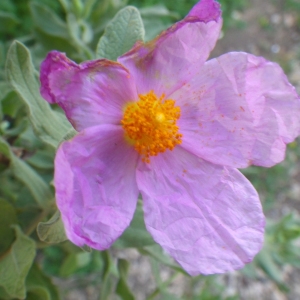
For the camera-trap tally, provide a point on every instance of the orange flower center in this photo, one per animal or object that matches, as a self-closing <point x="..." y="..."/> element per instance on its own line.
<point x="150" y="125"/>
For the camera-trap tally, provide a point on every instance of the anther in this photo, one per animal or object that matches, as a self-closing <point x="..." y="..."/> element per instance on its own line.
<point x="150" y="125"/>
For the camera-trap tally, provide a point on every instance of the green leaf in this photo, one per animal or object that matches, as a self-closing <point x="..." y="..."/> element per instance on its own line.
<point x="87" y="33"/>
<point x="28" y="140"/>
<point x="157" y="11"/>
<point x="3" y="294"/>
<point x="73" y="262"/>
<point x="19" y="127"/>
<point x="8" y="22"/>
<point x="8" y="217"/>
<point x="65" y="4"/>
<point x="122" y="288"/>
<point x="22" y="171"/>
<point x="75" y="28"/>
<point x="11" y="104"/>
<point x="39" y="286"/>
<point x="70" y="134"/>
<point x="42" y="159"/>
<point x="136" y="234"/>
<point x="265" y="261"/>
<point x="156" y="18"/>
<point x="88" y="7"/>
<point x="108" y="276"/>
<point x="156" y="252"/>
<point x="15" y="265"/>
<point x="5" y="88"/>
<point x="50" y="126"/>
<point x="168" y="296"/>
<point x="53" y="230"/>
<point x="77" y="8"/>
<point x="53" y="257"/>
<point x="48" y="21"/>
<point x="2" y="60"/>
<point x="38" y="293"/>
<point x="50" y="42"/>
<point x="121" y="33"/>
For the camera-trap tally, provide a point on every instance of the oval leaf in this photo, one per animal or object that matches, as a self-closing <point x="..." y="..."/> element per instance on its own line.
<point x="39" y="286"/>
<point x="121" y="33"/>
<point x="23" y="172"/>
<point x="52" y="231"/>
<point x="8" y="217"/>
<point x="122" y="288"/>
<point x="15" y="265"/>
<point x="49" y="126"/>
<point x="48" y="21"/>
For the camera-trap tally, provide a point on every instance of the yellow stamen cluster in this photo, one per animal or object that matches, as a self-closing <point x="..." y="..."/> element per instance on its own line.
<point x="150" y="124"/>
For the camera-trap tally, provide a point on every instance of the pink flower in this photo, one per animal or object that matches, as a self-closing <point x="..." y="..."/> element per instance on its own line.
<point x="164" y="123"/>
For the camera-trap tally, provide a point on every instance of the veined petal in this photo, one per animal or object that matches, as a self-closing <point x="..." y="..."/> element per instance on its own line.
<point x="239" y="110"/>
<point x="91" y="93"/>
<point x="207" y="217"/>
<point x="167" y="62"/>
<point x="95" y="184"/>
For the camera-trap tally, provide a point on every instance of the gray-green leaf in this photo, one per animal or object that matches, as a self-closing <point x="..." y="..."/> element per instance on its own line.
<point x="49" y="126"/>
<point x="156" y="252"/>
<point x="48" y="21"/>
<point x="53" y="230"/>
<point x="122" y="288"/>
<point x="8" y="217"/>
<point x="22" y="171"/>
<point x="15" y="265"/>
<point x="8" y="21"/>
<point x="121" y="34"/>
<point x="39" y="286"/>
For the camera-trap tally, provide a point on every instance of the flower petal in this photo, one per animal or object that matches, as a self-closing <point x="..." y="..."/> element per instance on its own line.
<point x="95" y="184"/>
<point x="207" y="217"/>
<point x="91" y="93"/>
<point x="167" y="62"/>
<point x="239" y="110"/>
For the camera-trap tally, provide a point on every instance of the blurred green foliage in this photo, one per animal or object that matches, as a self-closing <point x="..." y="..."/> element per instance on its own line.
<point x="27" y="149"/>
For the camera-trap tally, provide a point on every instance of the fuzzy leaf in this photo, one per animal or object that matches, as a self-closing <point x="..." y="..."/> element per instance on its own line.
<point x="266" y="262"/>
<point x="48" y="21"/>
<point x="8" y="22"/>
<point x="8" y="217"/>
<point x="22" y="171"/>
<point x="74" y="262"/>
<point x="42" y="159"/>
<point x="108" y="276"/>
<point x="53" y="230"/>
<point x="15" y="264"/>
<point x="39" y="286"/>
<point x="156" y="252"/>
<point x="122" y="288"/>
<point x="121" y="34"/>
<point x="49" y="126"/>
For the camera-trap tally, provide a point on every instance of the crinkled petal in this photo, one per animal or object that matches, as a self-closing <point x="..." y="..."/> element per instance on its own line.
<point x="167" y="62"/>
<point x="239" y="110"/>
<point x="95" y="184"/>
<point x="207" y="217"/>
<point x="91" y="93"/>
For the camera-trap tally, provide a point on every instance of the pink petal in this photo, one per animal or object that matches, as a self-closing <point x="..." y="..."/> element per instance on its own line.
<point x="167" y="62"/>
<point x="95" y="184"/>
<point x="239" y="110"/>
<point x="207" y="217"/>
<point x="91" y="93"/>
